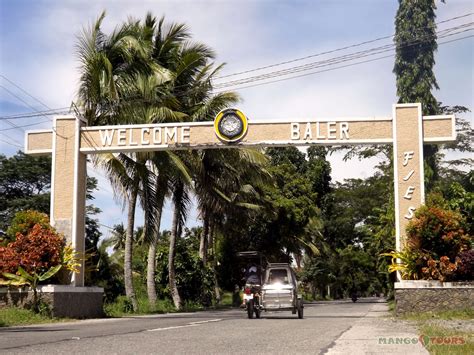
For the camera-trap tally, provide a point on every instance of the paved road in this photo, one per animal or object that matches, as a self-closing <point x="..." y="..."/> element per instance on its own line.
<point x="213" y="332"/>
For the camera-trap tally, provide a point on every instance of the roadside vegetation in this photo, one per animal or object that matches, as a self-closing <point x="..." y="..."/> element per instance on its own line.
<point x="438" y="328"/>
<point x="14" y="316"/>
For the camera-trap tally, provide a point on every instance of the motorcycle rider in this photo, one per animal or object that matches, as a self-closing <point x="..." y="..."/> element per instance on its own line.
<point x="252" y="275"/>
<point x="251" y="278"/>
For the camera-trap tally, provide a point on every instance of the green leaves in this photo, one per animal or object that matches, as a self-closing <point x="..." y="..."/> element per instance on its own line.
<point x="50" y="273"/>
<point x="415" y="38"/>
<point x="24" y="278"/>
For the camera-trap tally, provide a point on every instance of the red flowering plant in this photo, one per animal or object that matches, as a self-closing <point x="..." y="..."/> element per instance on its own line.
<point x="39" y="249"/>
<point x="442" y="269"/>
<point x="436" y="238"/>
<point x="465" y="270"/>
<point x="439" y="231"/>
<point x="23" y="221"/>
<point x="34" y="257"/>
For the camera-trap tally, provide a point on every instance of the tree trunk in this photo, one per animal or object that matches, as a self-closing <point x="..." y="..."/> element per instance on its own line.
<point x="172" y="252"/>
<point x="127" y="266"/>
<point x="298" y="258"/>
<point x="151" y="263"/>
<point x="203" y="241"/>
<point x="212" y="242"/>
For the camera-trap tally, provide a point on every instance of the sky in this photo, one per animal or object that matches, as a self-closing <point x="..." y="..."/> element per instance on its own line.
<point x="39" y="64"/>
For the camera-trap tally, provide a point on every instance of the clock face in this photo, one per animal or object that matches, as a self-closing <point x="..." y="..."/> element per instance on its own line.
<point x="230" y="125"/>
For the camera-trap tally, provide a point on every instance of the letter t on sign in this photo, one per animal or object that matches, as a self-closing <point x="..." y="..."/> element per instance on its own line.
<point x="408" y="165"/>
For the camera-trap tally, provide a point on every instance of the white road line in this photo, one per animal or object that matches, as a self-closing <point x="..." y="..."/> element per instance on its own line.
<point x="206" y="321"/>
<point x="192" y="324"/>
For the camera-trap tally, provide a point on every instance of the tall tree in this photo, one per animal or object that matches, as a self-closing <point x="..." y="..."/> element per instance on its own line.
<point x="415" y="39"/>
<point x="114" y="68"/>
<point x="24" y="184"/>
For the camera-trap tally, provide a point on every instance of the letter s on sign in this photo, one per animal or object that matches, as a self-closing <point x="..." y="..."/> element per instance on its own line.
<point x="410" y="214"/>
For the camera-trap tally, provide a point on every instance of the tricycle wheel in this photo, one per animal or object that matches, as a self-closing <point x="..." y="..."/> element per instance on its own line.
<point x="250" y="309"/>
<point x="258" y="311"/>
<point x="300" y="309"/>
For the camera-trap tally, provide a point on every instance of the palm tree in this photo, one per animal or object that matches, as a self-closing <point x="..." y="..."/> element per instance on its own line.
<point x="113" y="68"/>
<point x="225" y="183"/>
<point x="117" y="239"/>
<point x="166" y="43"/>
<point x="130" y="179"/>
<point x="190" y="90"/>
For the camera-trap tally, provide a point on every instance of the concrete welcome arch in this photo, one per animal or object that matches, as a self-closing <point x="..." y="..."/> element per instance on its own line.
<point x="70" y="141"/>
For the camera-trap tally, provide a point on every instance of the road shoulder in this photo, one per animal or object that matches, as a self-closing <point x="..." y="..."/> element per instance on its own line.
<point x="378" y="333"/>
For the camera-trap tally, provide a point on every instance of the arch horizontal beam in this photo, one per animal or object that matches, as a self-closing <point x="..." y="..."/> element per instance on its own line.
<point x="201" y="135"/>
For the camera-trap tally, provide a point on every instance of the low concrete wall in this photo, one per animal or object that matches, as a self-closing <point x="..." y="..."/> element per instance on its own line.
<point x="424" y="296"/>
<point x="65" y="301"/>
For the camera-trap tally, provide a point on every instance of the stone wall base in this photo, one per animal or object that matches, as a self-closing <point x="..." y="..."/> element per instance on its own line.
<point x="425" y="296"/>
<point x="65" y="301"/>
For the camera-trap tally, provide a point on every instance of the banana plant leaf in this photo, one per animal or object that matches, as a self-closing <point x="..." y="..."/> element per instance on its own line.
<point x="50" y="273"/>
<point x="25" y="274"/>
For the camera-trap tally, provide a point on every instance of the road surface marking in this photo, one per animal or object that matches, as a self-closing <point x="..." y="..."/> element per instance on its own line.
<point x="206" y="321"/>
<point x="192" y="324"/>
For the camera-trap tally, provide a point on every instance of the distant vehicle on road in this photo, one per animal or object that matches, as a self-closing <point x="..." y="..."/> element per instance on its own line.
<point x="269" y="286"/>
<point x="280" y="291"/>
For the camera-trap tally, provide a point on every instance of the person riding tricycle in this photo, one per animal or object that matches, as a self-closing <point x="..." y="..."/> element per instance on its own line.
<point x="252" y="283"/>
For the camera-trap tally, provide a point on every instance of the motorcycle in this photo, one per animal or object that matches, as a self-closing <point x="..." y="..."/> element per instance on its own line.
<point x="252" y="281"/>
<point x="252" y="300"/>
<point x="354" y="297"/>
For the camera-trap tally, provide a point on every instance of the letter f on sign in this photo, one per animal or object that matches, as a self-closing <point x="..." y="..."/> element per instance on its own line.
<point x="407" y="156"/>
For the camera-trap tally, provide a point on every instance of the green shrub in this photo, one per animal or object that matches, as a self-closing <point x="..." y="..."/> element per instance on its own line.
<point x="437" y="246"/>
<point x="439" y="231"/>
<point x="465" y="270"/>
<point x="12" y="316"/>
<point x="23" y="221"/>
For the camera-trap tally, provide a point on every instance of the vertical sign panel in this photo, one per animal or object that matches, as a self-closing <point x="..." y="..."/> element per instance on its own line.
<point x="68" y="187"/>
<point x="408" y="165"/>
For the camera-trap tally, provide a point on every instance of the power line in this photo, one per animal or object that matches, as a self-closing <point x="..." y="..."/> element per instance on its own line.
<point x="24" y="91"/>
<point x="309" y="66"/>
<point x="332" y="61"/>
<point x="329" y="52"/>
<point x="10" y="143"/>
<point x="317" y="72"/>
<point x="56" y="111"/>
<point x="22" y="126"/>
<point x="11" y="138"/>
<point x="340" y="59"/>
<point x="331" y="69"/>
<point x="355" y="55"/>
<point x="20" y="99"/>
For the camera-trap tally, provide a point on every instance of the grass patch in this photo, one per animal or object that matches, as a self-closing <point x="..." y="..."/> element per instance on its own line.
<point x="11" y="316"/>
<point x="226" y="300"/>
<point x="439" y="337"/>
<point x="122" y="307"/>
<point x="391" y="306"/>
<point x="437" y="334"/>
<point x="445" y="315"/>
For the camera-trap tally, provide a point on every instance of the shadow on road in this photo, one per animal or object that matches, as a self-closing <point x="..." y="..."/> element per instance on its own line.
<point x="32" y="329"/>
<point x="313" y="317"/>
